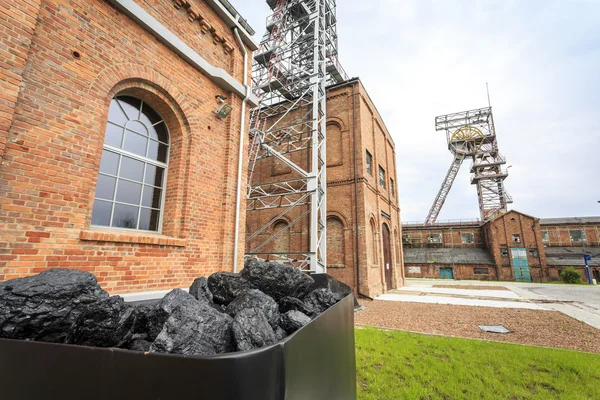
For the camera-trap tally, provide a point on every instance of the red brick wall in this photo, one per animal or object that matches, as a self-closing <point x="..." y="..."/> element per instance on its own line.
<point x="451" y="237"/>
<point x="559" y="236"/>
<point x="49" y="171"/>
<point x="501" y="231"/>
<point x="463" y="271"/>
<point x="17" y="24"/>
<point x="553" y="273"/>
<point x="347" y="117"/>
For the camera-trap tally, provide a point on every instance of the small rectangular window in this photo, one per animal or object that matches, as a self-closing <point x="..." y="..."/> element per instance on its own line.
<point x="545" y="237"/>
<point x="392" y="189"/>
<point x="577" y="236"/>
<point x="435" y="238"/>
<point x="480" y="271"/>
<point x="516" y="238"/>
<point x="467" y="238"/>
<point x="369" y="163"/>
<point x="382" y="176"/>
<point x="504" y="252"/>
<point x="533" y="252"/>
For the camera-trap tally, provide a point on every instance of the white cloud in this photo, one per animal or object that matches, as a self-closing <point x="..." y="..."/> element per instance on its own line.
<point x="420" y="59"/>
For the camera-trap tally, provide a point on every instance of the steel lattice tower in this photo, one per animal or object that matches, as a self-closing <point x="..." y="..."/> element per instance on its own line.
<point x="296" y="60"/>
<point x="472" y="134"/>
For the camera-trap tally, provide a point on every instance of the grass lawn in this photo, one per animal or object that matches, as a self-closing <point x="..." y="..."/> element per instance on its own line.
<point x="393" y="365"/>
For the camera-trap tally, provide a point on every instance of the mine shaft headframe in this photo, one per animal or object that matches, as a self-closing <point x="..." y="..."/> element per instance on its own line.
<point x="472" y="134"/>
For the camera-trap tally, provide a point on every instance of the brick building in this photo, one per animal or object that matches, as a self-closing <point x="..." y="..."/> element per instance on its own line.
<point x="363" y="216"/>
<point x="113" y="159"/>
<point x="512" y="246"/>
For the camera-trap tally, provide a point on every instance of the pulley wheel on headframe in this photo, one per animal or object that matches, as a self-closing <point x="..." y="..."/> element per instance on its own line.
<point x="467" y="140"/>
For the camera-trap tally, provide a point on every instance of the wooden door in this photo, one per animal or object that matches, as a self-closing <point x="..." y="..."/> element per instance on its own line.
<point x="387" y="257"/>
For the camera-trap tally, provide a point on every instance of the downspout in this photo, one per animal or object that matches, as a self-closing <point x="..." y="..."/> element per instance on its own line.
<point x="241" y="152"/>
<point x="356" y="252"/>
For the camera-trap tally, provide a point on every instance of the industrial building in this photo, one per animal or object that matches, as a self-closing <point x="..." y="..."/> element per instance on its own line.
<point x="363" y="214"/>
<point x="511" y="246"/>
<point x="113" y="157"/>
<point x="129" y="132"/>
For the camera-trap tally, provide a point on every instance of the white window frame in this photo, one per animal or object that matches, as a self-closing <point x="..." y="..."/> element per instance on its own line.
<point x="472" y="235"/>
<point x="146" y="161"/>
<point x="583" y="235"/>
<point x="432" y="235"/>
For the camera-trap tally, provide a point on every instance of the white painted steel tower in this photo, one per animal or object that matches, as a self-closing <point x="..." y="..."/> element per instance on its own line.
<point x="296" y="61"/>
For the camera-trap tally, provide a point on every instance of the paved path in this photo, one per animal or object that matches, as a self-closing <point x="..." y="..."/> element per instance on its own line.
<point x="500" y="294"/>
<point x="581" y="302"/>
<point x="459" y="301"/>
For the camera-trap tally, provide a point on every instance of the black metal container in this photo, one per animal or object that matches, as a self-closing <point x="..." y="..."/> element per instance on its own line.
<point x="316" y="362"/>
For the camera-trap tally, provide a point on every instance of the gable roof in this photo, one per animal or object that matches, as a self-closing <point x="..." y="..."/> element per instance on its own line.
<point x="508" y="212"/>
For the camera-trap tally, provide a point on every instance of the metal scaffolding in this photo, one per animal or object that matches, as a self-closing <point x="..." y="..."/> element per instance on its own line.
<point x="472" y="134"/>
<point x="296" y="60"/>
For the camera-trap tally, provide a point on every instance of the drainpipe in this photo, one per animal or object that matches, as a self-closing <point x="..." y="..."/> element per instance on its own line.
<point x="241" y="152"/>
<point x="356" y="254"/>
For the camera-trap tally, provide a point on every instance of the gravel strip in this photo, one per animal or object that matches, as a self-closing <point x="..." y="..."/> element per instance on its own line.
<point x="531" y="327"/>
<point x="470" y="287"/>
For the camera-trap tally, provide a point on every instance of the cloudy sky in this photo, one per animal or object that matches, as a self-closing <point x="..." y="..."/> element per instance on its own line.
<point x="423" y="58"/>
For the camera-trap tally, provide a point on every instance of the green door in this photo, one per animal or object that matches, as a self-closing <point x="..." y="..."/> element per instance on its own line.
<point x="446" y="273"/>
<point x="520" y="265"/>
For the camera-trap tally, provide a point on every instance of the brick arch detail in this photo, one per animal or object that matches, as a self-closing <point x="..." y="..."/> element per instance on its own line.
<point x="336" y="121"/>
<point x="135" y="77"/>
<point x="278" y="220"/>
<point x="338" y="215"/>
<point x="108" y="80"/>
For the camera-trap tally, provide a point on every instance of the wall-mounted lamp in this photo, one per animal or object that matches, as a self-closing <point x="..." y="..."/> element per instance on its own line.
<point x="225" y="109"/>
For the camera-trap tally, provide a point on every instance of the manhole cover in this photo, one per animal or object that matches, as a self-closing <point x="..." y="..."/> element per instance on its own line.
<point x="493" y="328"/>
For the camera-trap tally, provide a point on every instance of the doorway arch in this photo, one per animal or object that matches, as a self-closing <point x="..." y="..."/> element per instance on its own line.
<point x="387" y="256"/>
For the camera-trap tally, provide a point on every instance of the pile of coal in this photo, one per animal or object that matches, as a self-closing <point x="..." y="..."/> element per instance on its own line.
<point x="223" y="313"/>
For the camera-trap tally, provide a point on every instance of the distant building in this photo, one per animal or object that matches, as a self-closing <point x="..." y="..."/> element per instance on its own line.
<point x="511" y="247"/>
<point x="363" y="214"/>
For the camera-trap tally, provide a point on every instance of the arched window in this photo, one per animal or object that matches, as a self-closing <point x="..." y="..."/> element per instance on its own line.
<point x="281" y="244"/>
<point x="374" y="246"/>
<point x="335" y="243"/>
<point x="334" y="145"/>
<point x="131" y="181"/>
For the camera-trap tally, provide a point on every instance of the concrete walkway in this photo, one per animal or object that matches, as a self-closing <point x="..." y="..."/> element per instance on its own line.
<point x="499" y="294"/>
<point x="458" y="301"/>
<point x="577" y="301"/>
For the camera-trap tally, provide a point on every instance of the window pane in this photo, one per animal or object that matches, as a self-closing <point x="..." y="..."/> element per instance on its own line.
<point x="137" y="127"/>
<point x="149" y="116"/>
<point x="129" y="192"/>
<point x="125" y="216"/>
<point x="157" y="151"/>
<point x="110" y="162"/>
<point x="154" y="175"/>
<point x="101" y="213"/>
<point x="545" y="236"/>
<point x="151" y="197"/>
<point x="115" y="114"/>
<point x="113" y="135"/>
<point x="131" y="105"/>
<point x="161" y="133"/>
<point x="132" y="169"/>
<point x="135" y="143"/>
<point x="149" y="219"/>
<point x="105" y="187"/>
